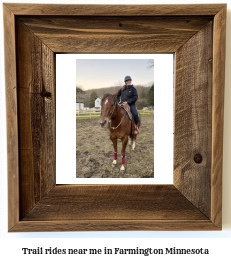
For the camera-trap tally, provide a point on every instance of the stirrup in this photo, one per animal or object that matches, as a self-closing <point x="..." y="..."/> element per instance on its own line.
<point x="136" y="131"/>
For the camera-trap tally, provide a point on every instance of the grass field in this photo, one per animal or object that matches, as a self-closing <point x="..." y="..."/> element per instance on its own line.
<point x="87" y="117"/>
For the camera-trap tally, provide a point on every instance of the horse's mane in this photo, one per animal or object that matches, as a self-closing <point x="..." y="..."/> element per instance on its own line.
<point x="109" y="94"/>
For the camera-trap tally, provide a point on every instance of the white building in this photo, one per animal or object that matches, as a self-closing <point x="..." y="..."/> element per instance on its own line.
<point x="97" y="103"/>
<point x="79" y="105"/>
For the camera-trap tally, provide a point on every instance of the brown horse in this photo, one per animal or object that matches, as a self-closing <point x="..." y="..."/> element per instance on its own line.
<point x="116" y="119"/>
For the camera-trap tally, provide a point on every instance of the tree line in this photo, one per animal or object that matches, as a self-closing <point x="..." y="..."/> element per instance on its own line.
<point x="145" y="95"/>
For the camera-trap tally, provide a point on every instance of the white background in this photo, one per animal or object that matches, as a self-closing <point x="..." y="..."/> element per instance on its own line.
<point x="218" y="242"/>
<point x="65" y="116"/>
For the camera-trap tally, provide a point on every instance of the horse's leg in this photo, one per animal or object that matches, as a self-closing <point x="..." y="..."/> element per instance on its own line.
<point x="134" y="136"/>
<point x="124" y="144"/>
<point x="129" y="140"/>
<point x="134" y="141"/>
<point x="114" y="140"/>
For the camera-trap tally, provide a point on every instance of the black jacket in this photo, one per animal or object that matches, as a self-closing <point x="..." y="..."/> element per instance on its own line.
<point x="129" y="94"/>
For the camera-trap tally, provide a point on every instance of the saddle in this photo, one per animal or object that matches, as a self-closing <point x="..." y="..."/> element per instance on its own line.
<point x="126" y="107"/>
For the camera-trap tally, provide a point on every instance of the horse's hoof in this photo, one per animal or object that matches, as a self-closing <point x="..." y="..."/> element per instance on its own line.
<point x="114" y="163"/>
<point x="133" y="145"/>
<point x="122" y="168"/>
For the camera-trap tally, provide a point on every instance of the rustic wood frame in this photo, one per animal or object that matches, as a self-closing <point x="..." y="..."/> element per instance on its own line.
<point x="33" y="34"/>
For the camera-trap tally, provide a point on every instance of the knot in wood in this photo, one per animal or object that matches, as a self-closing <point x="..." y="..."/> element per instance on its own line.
<point x="45" y="94"/>
<point x="198" y="158"/>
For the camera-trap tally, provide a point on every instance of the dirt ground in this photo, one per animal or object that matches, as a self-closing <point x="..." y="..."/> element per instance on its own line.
<point x="94" y="151"/>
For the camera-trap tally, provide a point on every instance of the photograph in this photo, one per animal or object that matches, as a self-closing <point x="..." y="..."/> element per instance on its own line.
<point x="115" y="118"/>
<point x="110" y="139"/>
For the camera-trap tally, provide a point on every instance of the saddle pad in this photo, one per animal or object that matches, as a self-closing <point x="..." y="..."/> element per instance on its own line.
<point x="126" y="107"/>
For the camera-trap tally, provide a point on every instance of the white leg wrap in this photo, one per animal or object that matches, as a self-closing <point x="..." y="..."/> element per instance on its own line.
<point x="129" y="141"/>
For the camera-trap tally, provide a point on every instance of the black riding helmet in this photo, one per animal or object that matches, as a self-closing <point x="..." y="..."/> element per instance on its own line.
<point x="127" y="78"/>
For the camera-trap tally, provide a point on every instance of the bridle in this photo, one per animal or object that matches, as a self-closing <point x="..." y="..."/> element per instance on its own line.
<point x="109" y="121"/>
<point x="114" y="106"/>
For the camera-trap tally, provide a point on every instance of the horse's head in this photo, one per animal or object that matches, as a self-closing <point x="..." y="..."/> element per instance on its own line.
<point x="108" y="104"/>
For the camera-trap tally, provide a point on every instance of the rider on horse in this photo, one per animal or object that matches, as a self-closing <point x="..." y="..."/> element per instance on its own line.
<point x="128" y="94"/>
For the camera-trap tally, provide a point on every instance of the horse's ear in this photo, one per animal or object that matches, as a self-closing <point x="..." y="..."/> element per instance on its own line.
<point x="115" y="94"/>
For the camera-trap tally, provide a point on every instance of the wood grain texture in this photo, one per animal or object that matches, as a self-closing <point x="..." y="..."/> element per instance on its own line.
<point x="114" y="207"/>
<point x="114" y="225"/>
<point x="115" y="34"/>
<point x="218" y="114"/>
<point x="193" y="125"/>
<point x="114" y="10"/>
<point x="35" y="66"/>
<point x="108" y="202"/>
<point x="11" y="116"/>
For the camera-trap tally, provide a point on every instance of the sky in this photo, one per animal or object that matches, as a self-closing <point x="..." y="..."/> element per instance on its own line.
<point x="99" y="73"/>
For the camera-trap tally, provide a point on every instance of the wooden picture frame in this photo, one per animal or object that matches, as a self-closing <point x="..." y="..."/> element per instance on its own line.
<point x="33" y="34"/>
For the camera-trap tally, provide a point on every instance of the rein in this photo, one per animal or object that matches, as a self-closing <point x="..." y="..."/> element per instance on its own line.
<point x="113" y="109"/>
<point x="119" y="123"/>
<point x="112" y="113"/>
